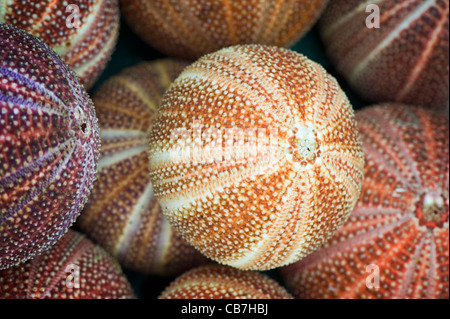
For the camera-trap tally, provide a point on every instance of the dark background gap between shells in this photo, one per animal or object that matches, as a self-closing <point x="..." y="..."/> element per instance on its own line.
<point x="131" y="50"/>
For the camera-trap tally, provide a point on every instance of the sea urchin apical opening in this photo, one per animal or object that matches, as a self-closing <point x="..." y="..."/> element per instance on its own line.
<point x="431" y="210"/>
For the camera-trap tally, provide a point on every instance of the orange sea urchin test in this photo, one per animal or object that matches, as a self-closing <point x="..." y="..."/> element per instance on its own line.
<point x="191" y="28"/>
<point x="222" y="282"/>
<point x="255" y="156"/>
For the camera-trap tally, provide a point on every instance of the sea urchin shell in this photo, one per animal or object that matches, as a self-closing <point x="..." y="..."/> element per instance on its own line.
<point x="395" y="243"/>
<point x="255" y="156"/>
<point x="222" y="282"/>
<point x="49" y="146"/>
<point x="190" y="29"/>
<point x="122" y="214"/>
<point x="86" y="47"/>
<point x="73" y="268"/>
<point x="404" y="59"/>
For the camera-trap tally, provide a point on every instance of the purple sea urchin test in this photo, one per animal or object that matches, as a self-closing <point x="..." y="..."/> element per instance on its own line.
<point x="49" y="146"/>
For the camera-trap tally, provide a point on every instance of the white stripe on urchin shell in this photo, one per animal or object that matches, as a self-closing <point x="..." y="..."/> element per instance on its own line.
<point x="257" y="212"/>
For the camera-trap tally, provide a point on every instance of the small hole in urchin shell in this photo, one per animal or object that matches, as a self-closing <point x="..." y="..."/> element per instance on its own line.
<point x="83" y="127"/>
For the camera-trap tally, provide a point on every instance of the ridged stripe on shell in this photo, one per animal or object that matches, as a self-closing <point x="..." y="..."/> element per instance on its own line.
<point x="122" y="215"/>
<point x="221" y="282"/>
<point x="404" y="60"/>
<point x="86" y="49"/>
<point x="49" y="146"/>
<point x="74" y="260"/>
<point x="264" y="209"/>
<point x="400" y="223"/>
<point x="189" y="29"/>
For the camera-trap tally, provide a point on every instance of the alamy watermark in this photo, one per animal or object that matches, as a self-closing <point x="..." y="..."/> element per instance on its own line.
<point x="73" y="279"/>
<point x="373" y="279"/>
<point x="74" y="19"/>
<point x="373" y="19"/>
<point x="203" y="144"/>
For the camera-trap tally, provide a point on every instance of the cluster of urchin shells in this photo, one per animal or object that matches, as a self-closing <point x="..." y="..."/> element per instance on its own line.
<point x="230" y="156"/>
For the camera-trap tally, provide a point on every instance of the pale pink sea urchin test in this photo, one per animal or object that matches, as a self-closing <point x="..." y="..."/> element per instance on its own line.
<point x="405" y="59"/>
<point x="255" y="156"/>
<point x="395" y="243"/>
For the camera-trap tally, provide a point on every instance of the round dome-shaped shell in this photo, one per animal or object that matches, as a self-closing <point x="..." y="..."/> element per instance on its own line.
<point x="83" y="32"/>
<point x="223" y="282"/>
<point x="73" y="268"/>
<point x="122" y="214"/>
<point x="190" y="29"/>
<point x="255" y="156"/>
<point x="49" y="146"/>
<point x="405" y="59"/>
<point x="395" y="243"/>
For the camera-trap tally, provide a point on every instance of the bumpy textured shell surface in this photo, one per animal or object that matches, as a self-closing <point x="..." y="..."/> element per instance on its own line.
<point x="122" y="215"/>
<point x="400" y="223"/>
<point x="192" y="28"/>
<point x="255" y="156"/>
<point x="49" y="146"/>
<point x="86" y="49"/>
<point x="406" y="59"/>
<point x="222" y="282"/>
<point x="74" y="268"/>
